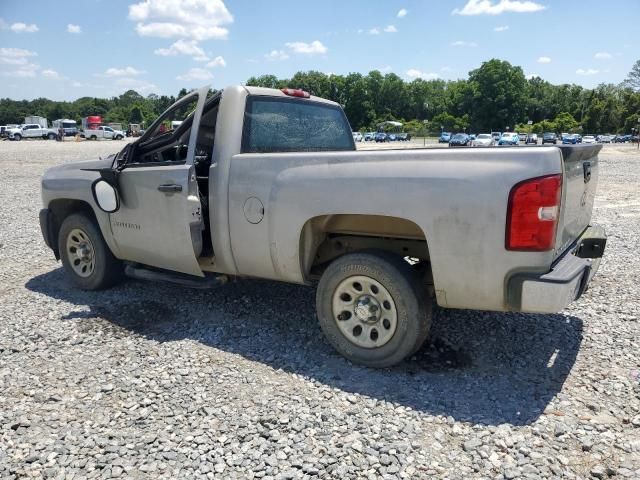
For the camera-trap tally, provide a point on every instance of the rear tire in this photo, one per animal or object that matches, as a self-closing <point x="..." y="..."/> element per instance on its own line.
<point x="373" y="308"/>
<point x="51" y="136"/>
<point x="93" y="137"/>
<point x="85" y="256"/>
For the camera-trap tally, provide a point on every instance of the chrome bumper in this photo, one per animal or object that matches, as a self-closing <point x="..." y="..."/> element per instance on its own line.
<point x="566" y="282"/>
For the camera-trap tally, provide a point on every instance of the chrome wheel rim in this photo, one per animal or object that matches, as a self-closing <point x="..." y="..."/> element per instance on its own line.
<point x="364" y="311"/>
<point x="80" y="252"/>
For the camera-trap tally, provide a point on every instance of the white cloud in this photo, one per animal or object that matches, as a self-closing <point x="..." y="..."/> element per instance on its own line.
<point x="529" y="76"/>
<point x="121" y="72"/>
<point x="390" y="29"/>
<point x="501" y="28"/>
<point x="488" y="7"/>
<point x="182" y="47"/>
<point x="71" y="28"/>
<point x="195" y="19"/>
<point x="52" y="74"/>
<point x="15" y="56"/>
<point x="199" y="74"/>
<point x="462" y="43"/>
<point x="140" y="86"/>
<point x="217" y="62"/>
<point x="20" y="59"/>
<point x="312" y="48"/>
<point x="587" y="72"/>
<point x="374" y="31"/>
<point x="27" y="70"/>
<point x="544" y="60"/>
<point x="274" y="55"/>
<point x="603" y="56"/>
<point x="24" y="28"/>
<point x="415" y="73"/>
<point x="402" y="13"/>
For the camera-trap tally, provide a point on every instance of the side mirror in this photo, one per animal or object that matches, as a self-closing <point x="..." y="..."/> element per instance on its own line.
<point x="105" y="195"/>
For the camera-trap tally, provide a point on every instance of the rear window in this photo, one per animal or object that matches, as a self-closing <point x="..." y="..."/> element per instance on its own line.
<point x="274" y="124"/>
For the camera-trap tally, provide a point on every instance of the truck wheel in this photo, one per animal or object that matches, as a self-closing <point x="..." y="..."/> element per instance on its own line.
<point x="373" y="308"/>
<point x="85" y="255"/>
<point x="93" y="137"/>
<point x="17" y="137"/>
<point x="51" y="136"/>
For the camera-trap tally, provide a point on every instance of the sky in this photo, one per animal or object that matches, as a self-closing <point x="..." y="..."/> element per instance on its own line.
<point x="66" y="50"/>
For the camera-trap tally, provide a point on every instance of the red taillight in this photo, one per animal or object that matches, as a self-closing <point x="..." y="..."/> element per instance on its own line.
<point x="295" y="92"/>
<point x="532" y="214"/>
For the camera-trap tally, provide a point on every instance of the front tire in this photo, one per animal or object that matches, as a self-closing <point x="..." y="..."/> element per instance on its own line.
<point x="51" y="136"/>
<point x="373" y="308"/>
<point x="85" y="256"/>
<point x="17" y="137"/>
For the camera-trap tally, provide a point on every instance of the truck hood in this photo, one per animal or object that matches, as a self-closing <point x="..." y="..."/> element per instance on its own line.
<point x="68" y="168"/>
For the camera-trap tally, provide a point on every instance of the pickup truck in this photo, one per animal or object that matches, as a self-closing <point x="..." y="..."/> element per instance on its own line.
<point x="31" y="130"/>
<point x="268" y="183"/>
<point x="104" y="132"/>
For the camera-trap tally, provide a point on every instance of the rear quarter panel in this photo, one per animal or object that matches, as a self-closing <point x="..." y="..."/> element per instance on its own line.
<point x="457" y="197"/>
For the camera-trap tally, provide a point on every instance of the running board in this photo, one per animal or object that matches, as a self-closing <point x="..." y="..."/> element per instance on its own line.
<point x="140" y="273"/>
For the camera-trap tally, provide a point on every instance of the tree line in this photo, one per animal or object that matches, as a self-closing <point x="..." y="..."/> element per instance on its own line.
<point x="495" y="97"/>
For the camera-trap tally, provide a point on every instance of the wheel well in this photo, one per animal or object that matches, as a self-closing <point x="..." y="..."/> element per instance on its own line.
<point x="328" y="237"/>
<point x="61" y="209"/>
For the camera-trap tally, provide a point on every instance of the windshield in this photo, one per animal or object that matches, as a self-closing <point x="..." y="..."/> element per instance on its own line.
<point x="508" y="135"/>
<point x="459" y="136"/>
<point x="484" y="136"/>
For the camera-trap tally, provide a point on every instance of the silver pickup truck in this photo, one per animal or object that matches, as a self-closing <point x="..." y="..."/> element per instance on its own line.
<point x="268" y="183"/>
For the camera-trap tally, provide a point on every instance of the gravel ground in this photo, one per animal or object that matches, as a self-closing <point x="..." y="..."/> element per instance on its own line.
<point x="156" y="381"/>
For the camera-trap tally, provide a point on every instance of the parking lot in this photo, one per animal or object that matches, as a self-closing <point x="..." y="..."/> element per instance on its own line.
<point x="156" y="381"/>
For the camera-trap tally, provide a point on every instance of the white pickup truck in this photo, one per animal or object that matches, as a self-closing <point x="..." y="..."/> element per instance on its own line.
<point x="104" y="132"/>
<point x="31" y="130"/>
<point x="268" y="183"/>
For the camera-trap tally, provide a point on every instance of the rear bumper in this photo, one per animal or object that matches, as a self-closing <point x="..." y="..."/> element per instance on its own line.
<point x="568" y="279"/>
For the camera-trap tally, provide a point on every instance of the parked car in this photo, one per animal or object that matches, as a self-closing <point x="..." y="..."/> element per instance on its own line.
<point x="496" y="136"/>
<point x="522" y="137"/>
<point x="444" y="137"/>
<point x="472" y="136"/>
<point x="404" y="137"/>
<point x="32" y="130"/>
<point x="369" y="136"/>
<point x="579" y="137"/>
<point x="357" y="137"/>
<point x="589" y="139"/>
<point x="460" y="140"/>
<point x="532" y="138"/>
<point x="391" y="137"/>
<point x="622" y="138"/>
<point x="483" y="140"/>
<point x="549" y="137"/>
<point x="269" y="209"/>
<point x="570" y="139"/>
<point x="381" y="137"/>
<point x="509" y="138"/>
<point x="603" y="138"/>
<point x="104" y="132"/>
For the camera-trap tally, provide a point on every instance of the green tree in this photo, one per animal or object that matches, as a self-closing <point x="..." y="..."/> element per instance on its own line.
<point x="633" y="78"/>
<point x="497" y="95"/>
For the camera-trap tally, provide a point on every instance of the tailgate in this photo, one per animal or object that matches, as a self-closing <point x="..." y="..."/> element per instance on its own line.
<point x="578" y="192"/>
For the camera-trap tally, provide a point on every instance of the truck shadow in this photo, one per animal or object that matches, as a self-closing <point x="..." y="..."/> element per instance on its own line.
<point x="481" y="367"/>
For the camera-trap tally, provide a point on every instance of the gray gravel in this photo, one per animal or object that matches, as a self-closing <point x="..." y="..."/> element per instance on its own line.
<point x="156" y="381"/>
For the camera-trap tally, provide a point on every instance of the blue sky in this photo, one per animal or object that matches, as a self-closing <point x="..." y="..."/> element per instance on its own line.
<point x="65" y="50"/>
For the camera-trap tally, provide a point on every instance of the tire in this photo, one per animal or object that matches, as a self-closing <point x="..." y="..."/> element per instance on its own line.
<point x="118" y="137"/>
<point x="51" y="136"/>
<point x="400" y="296"/>
<point x="17" y="137"/>
<point x="93" y="137"/>
<point x="98" y="269"/>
